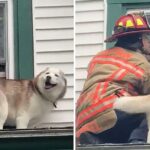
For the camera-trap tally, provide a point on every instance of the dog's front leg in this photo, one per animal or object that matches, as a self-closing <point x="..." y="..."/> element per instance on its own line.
<point x="3" y="109"/>
<point x="22" y="121"/>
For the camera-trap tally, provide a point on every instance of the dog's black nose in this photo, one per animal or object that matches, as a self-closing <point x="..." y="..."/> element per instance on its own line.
<point x="48" y="78"/>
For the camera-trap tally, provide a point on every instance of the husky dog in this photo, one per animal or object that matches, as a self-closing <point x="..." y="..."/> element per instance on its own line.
<point x="24" y="100"/>
<point x="135" y="105"/>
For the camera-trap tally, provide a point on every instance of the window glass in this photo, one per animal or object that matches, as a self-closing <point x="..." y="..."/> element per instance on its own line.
<point x="3" y="26"/>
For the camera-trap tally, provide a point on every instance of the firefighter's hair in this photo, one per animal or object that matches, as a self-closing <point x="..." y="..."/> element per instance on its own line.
<point x="131" y="42"/>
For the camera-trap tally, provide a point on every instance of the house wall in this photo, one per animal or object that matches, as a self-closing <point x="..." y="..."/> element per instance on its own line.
<point x="89" y="36"/>
<point x="53" y="47"/>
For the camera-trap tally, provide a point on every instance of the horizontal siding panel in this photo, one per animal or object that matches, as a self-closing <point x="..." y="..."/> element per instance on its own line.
<point x="42" y="23"/>
<point x="90" y="38"/>
<point x="54" y="45"/>
<point x="58" y="11"/>
<point x="64" y="105"/>
<point x="96" y="15"/>
<point x="54" y="34"/>
<point x="53" y="3"/>
<point x="89" y="5"/>
<point x="69" y="80"/>
<point x="82" y="62"/>
<point x="88" y="50"/>
<point x="56" y="119"/>
<point x="79" y="85"/>
<point x="59" y="116"/>
<point x="52" y="57"/>
<point x="81" y="73"/>
<point x="93" y="26"/>
<point x="69" y="93"/>
<point x="65" y="67"/>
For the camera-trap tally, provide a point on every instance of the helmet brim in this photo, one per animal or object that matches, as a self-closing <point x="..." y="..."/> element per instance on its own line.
<point x="114" y="37"/>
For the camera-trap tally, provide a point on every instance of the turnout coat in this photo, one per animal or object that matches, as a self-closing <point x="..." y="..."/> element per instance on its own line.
<point x="111" y="73"/>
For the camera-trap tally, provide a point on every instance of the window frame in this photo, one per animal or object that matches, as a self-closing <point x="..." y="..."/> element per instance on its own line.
<point x="23" y="39"/>
<point x="4" y="59"/>
<point x="8" y="35"/>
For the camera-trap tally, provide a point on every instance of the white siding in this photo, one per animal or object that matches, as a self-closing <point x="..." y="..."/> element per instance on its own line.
<point x="89" y="36"/>
<point x="53" y="46"/>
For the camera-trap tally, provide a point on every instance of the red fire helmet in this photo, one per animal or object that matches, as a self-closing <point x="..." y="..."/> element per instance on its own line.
<point x="129" y="24"/>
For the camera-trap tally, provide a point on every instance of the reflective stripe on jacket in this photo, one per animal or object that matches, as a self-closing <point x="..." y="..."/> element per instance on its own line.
<point x="111" y="73"/>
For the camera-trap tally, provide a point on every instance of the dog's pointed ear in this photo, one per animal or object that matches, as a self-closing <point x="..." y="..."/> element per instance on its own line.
<point x="37" y="76"/>
<point x="65" y="88"/>
<point x="46" y="69"/>
<point x="62" y="73"/>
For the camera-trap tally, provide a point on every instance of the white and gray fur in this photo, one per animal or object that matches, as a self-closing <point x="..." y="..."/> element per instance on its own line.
<point x="135" y="105"/>
<point x="22" y="101"/>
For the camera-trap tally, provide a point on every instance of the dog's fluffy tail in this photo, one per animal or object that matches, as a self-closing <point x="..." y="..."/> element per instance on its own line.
<point x="133" y="104"/>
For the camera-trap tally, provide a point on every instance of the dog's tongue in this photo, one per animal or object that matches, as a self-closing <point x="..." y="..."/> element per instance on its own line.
<point x="49" y="85"/>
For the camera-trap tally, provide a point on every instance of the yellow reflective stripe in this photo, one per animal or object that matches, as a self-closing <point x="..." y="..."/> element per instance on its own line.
<point x="139" y="22"/>
<point x="129" y="23"/>
<point x="120" y="24"/>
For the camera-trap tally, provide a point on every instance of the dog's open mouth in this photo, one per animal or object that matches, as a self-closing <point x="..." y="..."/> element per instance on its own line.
<point x="49" y="85"/>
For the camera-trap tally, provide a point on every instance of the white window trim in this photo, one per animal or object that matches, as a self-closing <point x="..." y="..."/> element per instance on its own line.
<point x="10" y="71"/>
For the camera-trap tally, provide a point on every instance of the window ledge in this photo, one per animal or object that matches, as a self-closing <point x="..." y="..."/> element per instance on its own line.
<point x="114" y="147"/>
<point x="44" y="132"/>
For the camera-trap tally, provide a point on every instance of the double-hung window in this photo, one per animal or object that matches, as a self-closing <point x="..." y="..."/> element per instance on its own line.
<point x="3" y="39"/>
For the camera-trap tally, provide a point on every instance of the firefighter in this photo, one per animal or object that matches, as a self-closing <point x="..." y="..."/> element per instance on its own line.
<point x="112" y="73"/>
